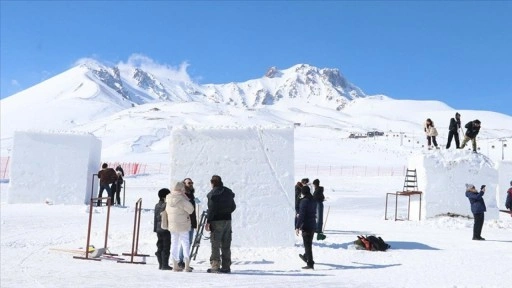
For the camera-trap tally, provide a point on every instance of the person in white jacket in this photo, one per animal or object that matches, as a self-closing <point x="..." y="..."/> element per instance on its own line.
<point x="431" y="132"/>
<point x="178" y="210"/>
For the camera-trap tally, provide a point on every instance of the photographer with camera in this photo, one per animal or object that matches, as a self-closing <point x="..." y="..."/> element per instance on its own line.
<point x="477" y="208"/>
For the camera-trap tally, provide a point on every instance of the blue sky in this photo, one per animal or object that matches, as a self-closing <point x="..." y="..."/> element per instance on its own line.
<point x="457" y="52"/>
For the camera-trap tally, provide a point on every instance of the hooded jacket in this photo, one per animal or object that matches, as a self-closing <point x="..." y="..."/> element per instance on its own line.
<point x="178" y="210"/>
<point x="221" y="204"/>
<point x="471" y="130"/>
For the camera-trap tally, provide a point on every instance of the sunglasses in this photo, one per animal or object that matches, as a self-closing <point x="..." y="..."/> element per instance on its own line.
<point x="189" y="183"/>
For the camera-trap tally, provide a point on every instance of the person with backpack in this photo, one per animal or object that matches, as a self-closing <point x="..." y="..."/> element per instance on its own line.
<point x="477" y="208"/>
<point x="453" y="131"/>
<point x="221" y="204"/>
<point x="163" y="244"/>
<point x="508" y="201"/>
<point x="306" y="223"/>
<point x="318" y="196"/>
<point x="178" y="209"/>
<point x="107" y="176"/>
<point x="431" y="133"/>
<point x="472" y="129"/>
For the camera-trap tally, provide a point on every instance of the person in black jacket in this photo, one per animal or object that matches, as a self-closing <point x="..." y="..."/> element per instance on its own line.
<point x="319" y="197"/>
<point x="454" y="131"/>
<point x="117" y="185"/>
<point x="189" y="192"/>
<point x="298" y="188"/>
<point x="472" y="129"/>
<point x="221" y="203"/>
<point x="306" y="222"/>
<point x="164" y="236"/>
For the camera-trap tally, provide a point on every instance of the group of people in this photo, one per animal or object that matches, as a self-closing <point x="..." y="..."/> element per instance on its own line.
<point x="111" y="181"/>
<point x="472" y="130"/>
<point x="175" y="220"/>
<point x="309" y="217"/>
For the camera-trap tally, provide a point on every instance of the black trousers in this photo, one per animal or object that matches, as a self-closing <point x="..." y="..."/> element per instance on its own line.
<point x="307" y="239"/>
<point x="163" y="247"/>
<point x="477" y="227"/>
<point x="451" y="135"/>
<point x="433" y="140"/>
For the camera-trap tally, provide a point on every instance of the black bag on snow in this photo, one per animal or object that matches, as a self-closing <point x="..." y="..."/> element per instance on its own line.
<point x="377" y="243"/>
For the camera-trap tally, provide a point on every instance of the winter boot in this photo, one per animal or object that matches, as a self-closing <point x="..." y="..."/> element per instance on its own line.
<point x="165" y="263"/>
<point x="320" y="236"/>
<point x="158" y="257"/>
<point x="175" y="266"/>
<point x="187" y="265"/>
<point x="215" y="267"/>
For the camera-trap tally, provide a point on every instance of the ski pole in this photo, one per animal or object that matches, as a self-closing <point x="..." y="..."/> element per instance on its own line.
<point x="326" y="217"/>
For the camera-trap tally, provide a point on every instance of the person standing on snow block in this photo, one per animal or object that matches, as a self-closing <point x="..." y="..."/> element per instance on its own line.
<point x="508" y="201"/>
<point x="221" y="203"/>
<point x="472" y="129"/>
<point x="306" y="223"/>
<point x="454" y="131"/>
<point x="431" y="133"/>
<point x="477" y="208"/>
<point x="318" y="196"/>
<point x="107" y="176"/>
<point x="163" y="243"/>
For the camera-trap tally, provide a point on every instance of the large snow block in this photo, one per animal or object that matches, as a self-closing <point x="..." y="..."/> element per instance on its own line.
<point x="53" y="167"/>
<point x="442" y="176"/>
<point x="256" y="163"/>
<point x="505" y="176"/>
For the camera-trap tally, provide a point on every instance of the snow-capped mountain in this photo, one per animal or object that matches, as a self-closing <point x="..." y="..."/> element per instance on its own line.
<point x="105" y="90"/>
<point x="131" y="107"/>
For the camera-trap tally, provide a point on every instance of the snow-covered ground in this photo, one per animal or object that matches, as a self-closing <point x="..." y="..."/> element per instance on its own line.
<point x="433" y="252"/>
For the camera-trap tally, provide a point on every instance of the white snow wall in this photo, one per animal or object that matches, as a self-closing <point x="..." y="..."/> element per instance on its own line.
<point x="53" y="167"/>
<point x="256" y="163"/>
<point x="442" y="176"/>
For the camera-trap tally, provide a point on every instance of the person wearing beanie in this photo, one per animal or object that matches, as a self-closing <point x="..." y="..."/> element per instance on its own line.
<point x="472" y="129"/>
<point x="306" y="223"/>
<point x="163" y="243"/>
<point x="477" y="208"/>
<point x="318" y="196"/>
<point x="508" y="201"/>
<point x="453" y="131"/>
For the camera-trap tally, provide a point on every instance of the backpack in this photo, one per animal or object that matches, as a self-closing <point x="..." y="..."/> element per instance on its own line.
<point x="372" y="243"/>
<point x="223" y="203"/>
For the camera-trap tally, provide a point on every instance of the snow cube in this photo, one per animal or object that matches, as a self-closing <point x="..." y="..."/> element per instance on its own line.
<point x="53" y="168"/>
